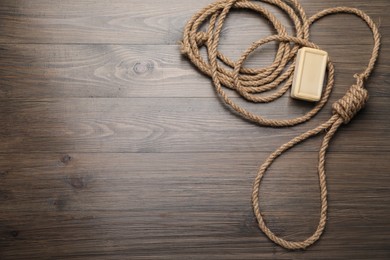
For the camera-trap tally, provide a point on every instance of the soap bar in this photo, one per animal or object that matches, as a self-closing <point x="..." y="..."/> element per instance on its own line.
<point x="309" y="74"/>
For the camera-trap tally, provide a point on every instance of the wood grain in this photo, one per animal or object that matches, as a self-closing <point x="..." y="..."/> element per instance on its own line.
<point x="145" y="71"/>
<point x="159" y="22"/>
<point x="155" y="125"/>
<point x="121" y="205"/>
<point x="112" y="146"/>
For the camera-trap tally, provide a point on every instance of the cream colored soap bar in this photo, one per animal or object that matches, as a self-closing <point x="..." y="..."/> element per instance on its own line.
<point x="309" y="74"/>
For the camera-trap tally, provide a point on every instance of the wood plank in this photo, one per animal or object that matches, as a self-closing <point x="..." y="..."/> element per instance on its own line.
<point x="159" y="22"/>
<point x="197" y="205"/>
<point x="191" y="201"/>
<point x="170" y="125"/>
<point x="61" y="71"/>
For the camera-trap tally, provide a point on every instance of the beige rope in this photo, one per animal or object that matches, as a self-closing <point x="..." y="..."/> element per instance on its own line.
<point x="251" y="83"/>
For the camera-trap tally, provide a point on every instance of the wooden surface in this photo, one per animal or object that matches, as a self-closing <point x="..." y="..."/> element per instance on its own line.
<point x="112" y="146"/>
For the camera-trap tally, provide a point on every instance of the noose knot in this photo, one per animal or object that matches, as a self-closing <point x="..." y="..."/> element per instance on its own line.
<point x="353" y="101"/>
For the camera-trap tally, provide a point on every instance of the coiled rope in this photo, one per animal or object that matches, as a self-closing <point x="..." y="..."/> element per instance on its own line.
<point x="249" y="83"/>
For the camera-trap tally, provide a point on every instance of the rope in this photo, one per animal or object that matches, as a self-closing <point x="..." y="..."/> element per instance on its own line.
<point x="251" y="83"/>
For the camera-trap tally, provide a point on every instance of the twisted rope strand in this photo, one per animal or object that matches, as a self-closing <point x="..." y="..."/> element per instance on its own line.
<point x="252" y="83"/>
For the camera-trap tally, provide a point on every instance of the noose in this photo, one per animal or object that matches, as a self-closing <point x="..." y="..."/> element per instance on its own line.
<point x="250" y="83"/>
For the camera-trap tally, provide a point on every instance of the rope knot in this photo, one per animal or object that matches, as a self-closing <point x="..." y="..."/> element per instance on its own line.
<point x="353" y="101"/>
<point x="201" y="38"/>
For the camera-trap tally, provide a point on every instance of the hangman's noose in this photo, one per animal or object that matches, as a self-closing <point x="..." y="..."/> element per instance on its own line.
<point x="249" y="83"/>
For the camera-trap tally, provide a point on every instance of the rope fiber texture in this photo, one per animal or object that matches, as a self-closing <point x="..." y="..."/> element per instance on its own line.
<point x="252" y="83"/>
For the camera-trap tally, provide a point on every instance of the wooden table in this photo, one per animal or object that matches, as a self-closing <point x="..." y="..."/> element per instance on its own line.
<point x="113" y="146"/>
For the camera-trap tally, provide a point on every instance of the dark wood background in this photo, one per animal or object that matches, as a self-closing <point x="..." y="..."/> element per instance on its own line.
<point x="112" y="146"/>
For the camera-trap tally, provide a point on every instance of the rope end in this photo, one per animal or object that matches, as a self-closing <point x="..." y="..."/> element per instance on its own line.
<point x="183" y="48"/>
